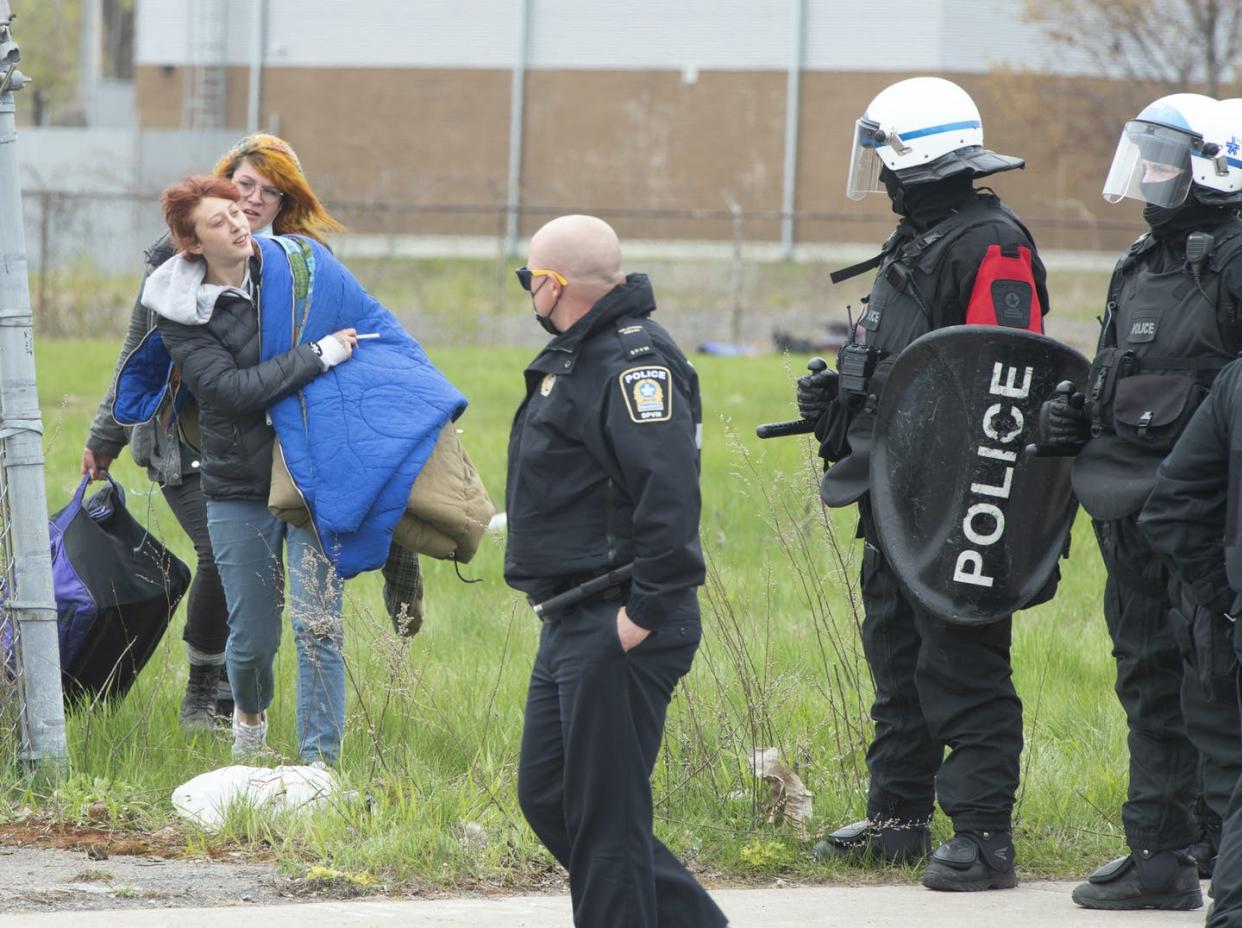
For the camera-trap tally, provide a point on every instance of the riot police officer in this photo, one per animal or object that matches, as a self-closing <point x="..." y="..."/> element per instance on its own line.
<point x="1191" y="519"/>
<point x="958" y="255"/>
<point x="604" y="473"/>
<point x="1171" y="324"/>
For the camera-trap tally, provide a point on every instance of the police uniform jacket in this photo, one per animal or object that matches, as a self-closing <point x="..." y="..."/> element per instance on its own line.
<point x="604" y="461"/>
<point x="1192" y="515"/>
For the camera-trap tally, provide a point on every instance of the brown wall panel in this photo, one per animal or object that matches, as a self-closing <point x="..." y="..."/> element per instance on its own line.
<point x="387" y="142"/>
<point x="395" y="139"/>
<point x="157" y="96"/>
<point x="390" y="141"/>
<point x="650" y="140"/>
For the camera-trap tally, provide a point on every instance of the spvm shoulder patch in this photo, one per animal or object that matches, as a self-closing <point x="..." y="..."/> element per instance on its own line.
<point x="648" y="393"/>
<point x="635" y="342"/>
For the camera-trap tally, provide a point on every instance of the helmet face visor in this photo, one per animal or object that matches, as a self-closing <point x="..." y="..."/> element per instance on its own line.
<point x="1151" y="164"/>
<point x="865" y="163"/>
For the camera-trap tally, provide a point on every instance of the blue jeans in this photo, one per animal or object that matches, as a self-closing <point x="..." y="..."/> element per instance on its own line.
<point x="247" y="541"/>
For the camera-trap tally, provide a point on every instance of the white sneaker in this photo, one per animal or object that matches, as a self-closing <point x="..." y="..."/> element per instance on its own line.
<point x="249" y="740"/>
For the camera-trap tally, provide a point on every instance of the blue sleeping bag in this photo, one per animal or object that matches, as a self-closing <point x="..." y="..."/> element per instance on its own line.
<point x="354" y="438"/>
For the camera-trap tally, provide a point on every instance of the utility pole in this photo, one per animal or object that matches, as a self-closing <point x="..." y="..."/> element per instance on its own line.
<point x="27" y="571"/>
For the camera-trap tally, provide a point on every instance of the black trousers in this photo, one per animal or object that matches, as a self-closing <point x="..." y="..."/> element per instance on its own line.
<point x="938" y="685"/>
<point x="1182" y="742"/>
<point x="1227" y="877"/>
<point x="594" y="723"/>
<point x="207" y="614"/>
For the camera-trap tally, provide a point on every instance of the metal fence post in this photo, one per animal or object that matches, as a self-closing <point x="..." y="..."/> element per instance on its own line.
<point x="738" y="274"/>
<point x="28" y="569"/>
<point x="793" y="115"/>
<point x="517" y="125"/>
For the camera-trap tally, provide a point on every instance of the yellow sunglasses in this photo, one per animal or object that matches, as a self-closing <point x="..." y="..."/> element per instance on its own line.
<point x="526" y="275"/>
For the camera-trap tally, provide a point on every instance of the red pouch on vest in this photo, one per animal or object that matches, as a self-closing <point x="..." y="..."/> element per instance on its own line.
<point x="1005" y="293"/>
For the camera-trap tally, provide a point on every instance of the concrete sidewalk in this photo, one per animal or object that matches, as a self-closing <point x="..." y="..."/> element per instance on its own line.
<point x="1031" y="905"/>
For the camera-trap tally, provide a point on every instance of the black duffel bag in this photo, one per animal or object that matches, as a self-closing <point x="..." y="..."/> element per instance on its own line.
<point x="116" y="587"/>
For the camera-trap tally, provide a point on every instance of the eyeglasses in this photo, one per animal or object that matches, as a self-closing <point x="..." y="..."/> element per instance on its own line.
<point x="527" y="274"/>
<point x="268" y="194"/>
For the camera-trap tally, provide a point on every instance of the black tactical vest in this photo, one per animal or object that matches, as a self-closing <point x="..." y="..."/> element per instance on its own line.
<point x="899" y="309"/>
<point x="1165" y="336"/>
<point x="901" y="305"/>
<point x="1172" y="314"/>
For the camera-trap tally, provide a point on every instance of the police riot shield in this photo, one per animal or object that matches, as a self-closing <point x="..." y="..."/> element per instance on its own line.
<point x="971" y="525"/>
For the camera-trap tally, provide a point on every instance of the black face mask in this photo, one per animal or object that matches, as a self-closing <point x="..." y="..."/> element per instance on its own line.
<point x="1162" y="190"/>
<point x="896" y="192"/>
<point x="1159" y="217"/>
<point x="545" y="323"/>
<point x="926" y="204"/>
<point x="1173" y="222"/>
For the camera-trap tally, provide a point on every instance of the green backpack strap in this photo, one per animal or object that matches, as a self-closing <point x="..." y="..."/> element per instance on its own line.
<point x="302" y="266"/>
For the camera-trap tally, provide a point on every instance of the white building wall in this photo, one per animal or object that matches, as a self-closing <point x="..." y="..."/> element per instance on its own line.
<point x="969" y="36"/>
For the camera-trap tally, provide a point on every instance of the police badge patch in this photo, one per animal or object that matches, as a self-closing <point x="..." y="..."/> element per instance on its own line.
<point x="647" y="393"/>
<point x="546" y="385"/>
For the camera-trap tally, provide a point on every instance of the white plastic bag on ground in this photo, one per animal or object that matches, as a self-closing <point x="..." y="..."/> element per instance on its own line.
<point x="205" y="799"/>
<point x="791" y="800"/>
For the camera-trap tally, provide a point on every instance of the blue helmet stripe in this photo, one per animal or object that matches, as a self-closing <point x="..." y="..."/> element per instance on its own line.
<point x="936" y="130"/>
<point x="930" y="130"/>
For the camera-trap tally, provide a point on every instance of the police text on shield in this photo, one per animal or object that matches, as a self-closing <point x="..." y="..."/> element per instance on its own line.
<point x="984" y="521"/>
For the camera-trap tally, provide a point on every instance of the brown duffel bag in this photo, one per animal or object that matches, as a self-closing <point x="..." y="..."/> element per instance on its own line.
<point x="446" y="515"/>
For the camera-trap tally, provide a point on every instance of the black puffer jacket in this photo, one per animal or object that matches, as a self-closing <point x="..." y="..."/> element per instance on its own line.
<point x="219" y="362"/>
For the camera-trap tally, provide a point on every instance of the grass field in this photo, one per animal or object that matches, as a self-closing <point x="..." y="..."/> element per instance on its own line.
<point x="434" y="724"/>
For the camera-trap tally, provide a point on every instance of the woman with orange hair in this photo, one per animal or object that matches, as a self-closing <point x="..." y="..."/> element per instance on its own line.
<point x="275" y="198"/>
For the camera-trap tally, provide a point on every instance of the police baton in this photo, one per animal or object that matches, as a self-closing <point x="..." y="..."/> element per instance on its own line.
<point x="793" y="426"/>
<point x="583" y="591"/>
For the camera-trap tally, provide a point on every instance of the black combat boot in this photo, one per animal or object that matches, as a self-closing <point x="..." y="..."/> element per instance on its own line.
<point x="897" y="843"/>
<point x="1204" y="850"/>
<point x="1143" y="880"/>
<point x="224" y="695"/>
<point x="199" y="703"/>
<point x="971" y="861"/>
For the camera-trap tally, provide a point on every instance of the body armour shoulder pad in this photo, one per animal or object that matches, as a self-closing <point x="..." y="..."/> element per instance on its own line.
<point x="934" y="245"/>
<point x="1226" y="245"/>
<point x="1131" y="254"/>
<point x="635" y="340"/>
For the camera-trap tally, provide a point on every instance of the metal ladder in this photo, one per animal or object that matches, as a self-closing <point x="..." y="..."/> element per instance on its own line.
<point x="204" y="99"/>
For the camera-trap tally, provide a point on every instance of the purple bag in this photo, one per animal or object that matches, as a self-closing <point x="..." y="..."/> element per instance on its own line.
<point x="116" y="590"/>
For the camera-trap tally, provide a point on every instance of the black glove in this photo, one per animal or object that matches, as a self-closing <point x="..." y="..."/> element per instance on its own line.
<point x="816" y="392"/>
<point x="1063" y="420"/>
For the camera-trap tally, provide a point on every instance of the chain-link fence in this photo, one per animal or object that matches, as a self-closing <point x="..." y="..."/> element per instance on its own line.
<point x="444" y="269"/>
<point x="31" y="712"/>
<point x="11" y="737"/>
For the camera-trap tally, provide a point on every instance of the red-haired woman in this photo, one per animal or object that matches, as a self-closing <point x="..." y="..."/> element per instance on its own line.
<point x="207" y="300"/>
<point x="275" y="198"/>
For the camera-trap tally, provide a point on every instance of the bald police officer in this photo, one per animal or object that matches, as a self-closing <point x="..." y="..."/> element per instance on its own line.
<point x="604" y="472"/>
